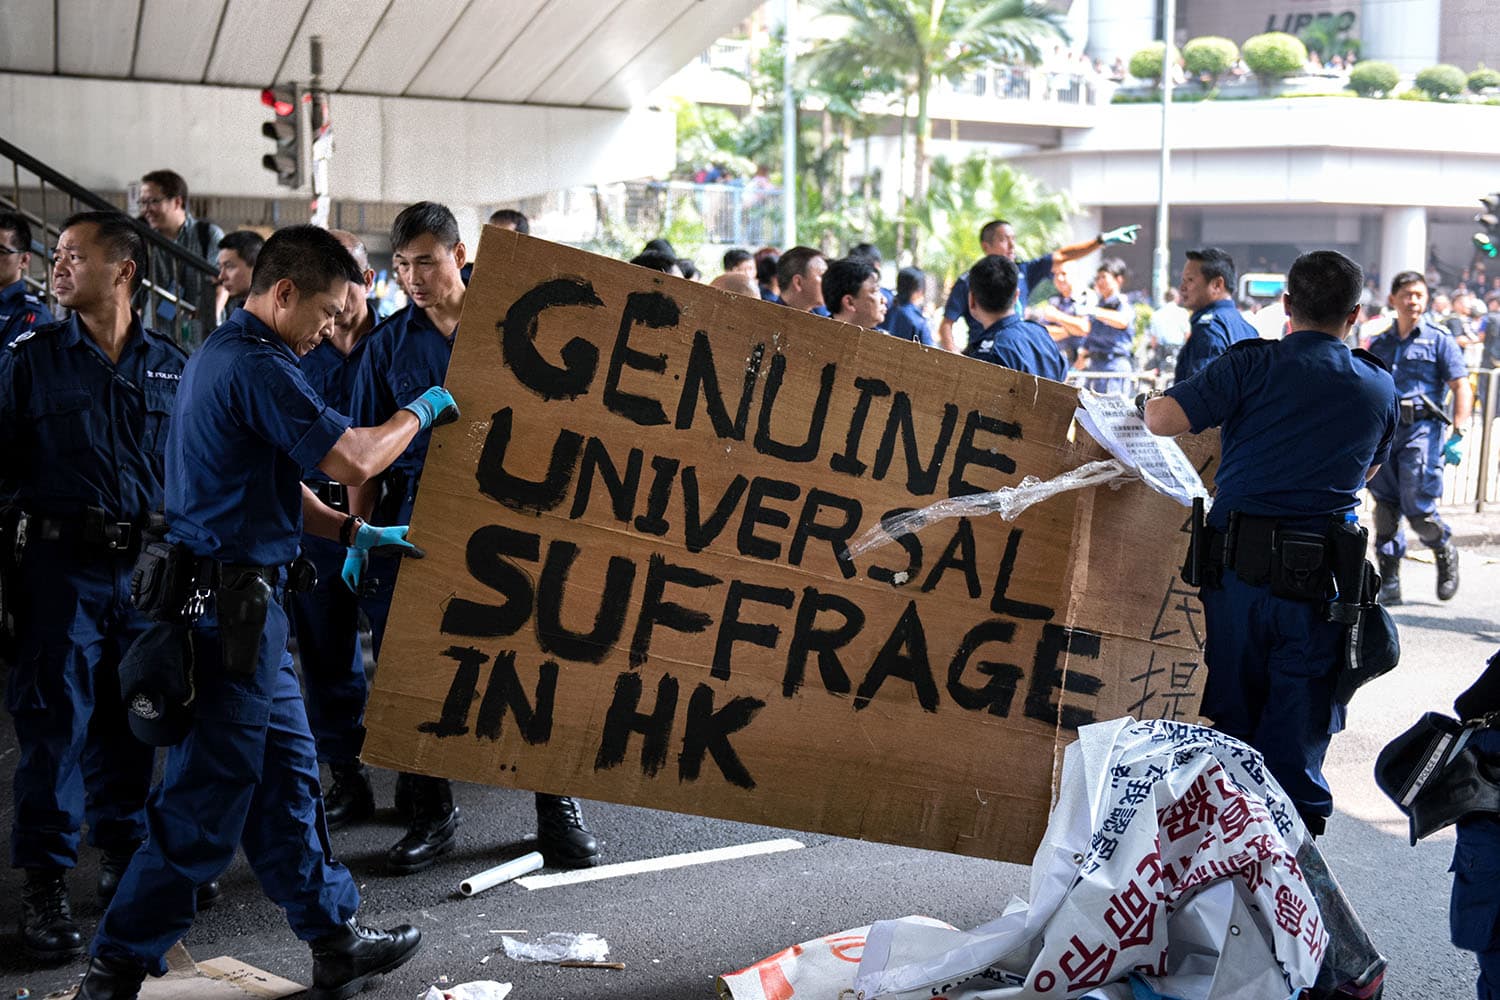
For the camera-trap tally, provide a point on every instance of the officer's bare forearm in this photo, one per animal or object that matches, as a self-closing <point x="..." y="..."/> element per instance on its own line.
<point x="1073" y="251"/>
<point x="362" y="453"/>
<point x="320" y="519"/>
<point x="362" y="498"/>
<point x="945" y="335"/>
<point x="1165" y="417"/>
<point x="1463" y="402"/>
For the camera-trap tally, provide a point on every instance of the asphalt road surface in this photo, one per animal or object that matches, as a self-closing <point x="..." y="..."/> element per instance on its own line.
<point x="675" y="930"/>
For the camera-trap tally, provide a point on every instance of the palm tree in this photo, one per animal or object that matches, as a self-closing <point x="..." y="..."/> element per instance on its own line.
<point x="918" y="42"/>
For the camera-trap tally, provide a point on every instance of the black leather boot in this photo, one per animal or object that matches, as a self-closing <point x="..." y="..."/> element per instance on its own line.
<point x="433" y="828"/>
<point x="1390" y="581"/>
<point x="351" y="799"/>
<point x="48" y="931"/>
<point x="347" y="959"/>
<point x="562" y="837"/>
<point x="111" y="979"/>
<point x="112" y="868"/>
<point x="1447" y="571"/>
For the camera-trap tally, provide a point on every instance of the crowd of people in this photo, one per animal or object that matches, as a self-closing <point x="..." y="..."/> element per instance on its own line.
<point x="198" y="494"/>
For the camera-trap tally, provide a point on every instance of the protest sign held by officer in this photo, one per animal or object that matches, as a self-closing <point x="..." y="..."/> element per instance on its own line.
<point x="246" y="426"/>
<point x="1426" y="363"/>
<point x="85" y="407"/>
<point x="1305" y="422"/>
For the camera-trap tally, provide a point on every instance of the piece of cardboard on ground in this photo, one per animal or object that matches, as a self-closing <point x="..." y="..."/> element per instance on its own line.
<point x="222" y="978"/>
<point x="912" y="701"/>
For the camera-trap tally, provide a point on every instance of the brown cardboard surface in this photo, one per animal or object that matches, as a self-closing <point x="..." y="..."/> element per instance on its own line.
<point x="222" y="978"/>
<point x="682" y="632"/>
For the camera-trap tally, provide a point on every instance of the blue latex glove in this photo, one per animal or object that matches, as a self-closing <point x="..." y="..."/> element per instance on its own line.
<point x="1453" y="451"/>
<point x="1125" y="234"/>
<point x="434" y="407"/>
<point x="388" y="541"/>
<point x="354" y="568"/>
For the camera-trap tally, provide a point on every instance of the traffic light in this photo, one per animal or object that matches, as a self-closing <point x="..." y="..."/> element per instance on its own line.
<point x="1489" y="239"/>
<point x="285" y="101"/>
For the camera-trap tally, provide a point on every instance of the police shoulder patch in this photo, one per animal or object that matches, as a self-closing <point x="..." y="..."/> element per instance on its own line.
<point x="21" y="339"/>
<point x="1372" y="359"/>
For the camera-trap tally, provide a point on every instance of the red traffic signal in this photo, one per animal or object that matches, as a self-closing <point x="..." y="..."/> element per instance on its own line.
<point x="282" y="99"/>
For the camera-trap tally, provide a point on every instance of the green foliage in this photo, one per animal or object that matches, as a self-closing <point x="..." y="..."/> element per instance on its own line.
<point x="1413" y="95"/>
<point x="1441" y="81"/>
<point x="675" y="218"/>
<point x="1210" y="57"/>
<point x="1274" y="55"/>
<point x="1373" y="79"/>
<point x="706" y="135"/>
<point x="966" y="195"/>
<point x="1146" y="63"/>
<point x="1324" y="38"/>
<point x="1483" y="78"/>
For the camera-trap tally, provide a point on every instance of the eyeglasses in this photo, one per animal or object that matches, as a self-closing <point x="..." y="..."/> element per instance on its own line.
<point x="6" y="251"/>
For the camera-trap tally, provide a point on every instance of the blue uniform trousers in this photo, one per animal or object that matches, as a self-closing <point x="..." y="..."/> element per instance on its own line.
<point x="78" y="759"/>
<point x="1109" y="386"/>
<point x="1271" y="669"/>
<point x="326" y="622"/>
<point x="1474" y="910"/>
<point x="1409" y="485"/>
<point x="246" y="775"/>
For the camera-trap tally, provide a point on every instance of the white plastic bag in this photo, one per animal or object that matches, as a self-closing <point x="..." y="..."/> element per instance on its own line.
<point x="557" y="947"/>
<point x="482" y="989"/>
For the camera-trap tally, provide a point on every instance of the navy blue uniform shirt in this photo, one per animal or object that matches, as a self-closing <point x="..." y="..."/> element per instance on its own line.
<point x="1106" y="342"/>
<point x="406" y="355"/>
<point x="1214" y="328"/>
<point x="1033" y="273"/>
<point x="20" y="311"/>
<point x="884" y="326"/>
<point x="248" y="427"/>
<point x="907" y="322"/>
<point x="79" y="431"/>
<point x="1303" y="419"/>
<point x="1026" y="347"/>
<point x="1425" y="362"/>
<point x="331" y="374"/>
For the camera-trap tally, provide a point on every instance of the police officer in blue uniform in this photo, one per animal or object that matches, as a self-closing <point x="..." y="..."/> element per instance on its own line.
<point x="906" y="320"/>
<point x="998" y="237"/>
<point x="246" y="428"/>
<point x="1474" y="907"/>
<point x="325" y="619"/>
<point x="1110" y="341"/>
<point x="410" y="349"/>
<point x="1015" y="343"/>
<point x="20" y="309"/>
<point x="1425" y="362"/>
<point x="1207" y="291"/>
<point x="871" y="251"/>
<point x="84" y="410"/>
<point x="1304" y="423"/>
<point x="851" y="288"/>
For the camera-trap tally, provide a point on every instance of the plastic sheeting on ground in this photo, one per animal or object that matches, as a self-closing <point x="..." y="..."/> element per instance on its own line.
<point x="1170" y="857"/>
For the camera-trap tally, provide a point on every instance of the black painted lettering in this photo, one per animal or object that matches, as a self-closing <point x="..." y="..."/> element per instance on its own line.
<point x="808" y="449"/>
<point x="655" y="610"/>
<point x="622" y="489"/>
<point x="525" y="495"/>
<point x="750" y="544"/>
<point x="625" y="718"/>
<point x="453" y="719"/>
<point x="904" y="655"/>
<point x="699" y="534"/>
<point x="518" y="340"/>
<point x="920" y="480"/>
<point x="702" y="377"/>
<point x="847" y="461"/>
<point x="996" y="695"/>
<point x="488" y="556"/>
<point x="653" y="310"/>
<point x="837" y="534"/>
<point x="959" y="554"/>
<point x="654" y="520"/>
<point x="967" y="454"/>
<point x="1048" y="676"/>
<point x="504" y="692"/>
<point x="999" y="602"/>
<point x="807" y="638"/>
<point x="908" y="541"/>
<point x="707" y="731"/>
<point x="732" y="629"/>
<point x="609" y="620"/>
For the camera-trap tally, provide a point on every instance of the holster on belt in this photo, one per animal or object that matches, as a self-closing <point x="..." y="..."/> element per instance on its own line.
<point x="1195" y="566"/>
<point x="1294" y="563"/>
<point x="242" y="600"/>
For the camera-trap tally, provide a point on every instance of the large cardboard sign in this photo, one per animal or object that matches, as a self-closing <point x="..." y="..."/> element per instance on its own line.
<point x="636" y="585"/>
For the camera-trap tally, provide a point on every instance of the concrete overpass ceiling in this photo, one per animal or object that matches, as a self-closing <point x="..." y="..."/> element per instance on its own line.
<point x="576" y="53"/>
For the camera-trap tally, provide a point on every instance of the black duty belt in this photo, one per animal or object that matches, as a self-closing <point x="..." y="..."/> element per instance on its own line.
<point x="335" y="495"/>
<point x="93" y="528"/>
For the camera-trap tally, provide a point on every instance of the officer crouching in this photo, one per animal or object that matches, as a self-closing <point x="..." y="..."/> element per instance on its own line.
<point x="1305" y="423"/>
<point x="246" y="429"/>
<point x="84" y="412"/>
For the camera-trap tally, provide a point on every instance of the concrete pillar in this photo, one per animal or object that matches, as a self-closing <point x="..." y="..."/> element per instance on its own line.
<point x="1403" y="242"/>
<point x="1404" y="33"/>
<point x="1121" y="28"/>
